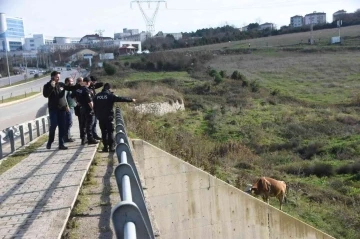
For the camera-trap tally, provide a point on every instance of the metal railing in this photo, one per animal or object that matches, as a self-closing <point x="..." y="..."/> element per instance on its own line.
<point x="17" y="136"/>
<point x="130" y="217"/>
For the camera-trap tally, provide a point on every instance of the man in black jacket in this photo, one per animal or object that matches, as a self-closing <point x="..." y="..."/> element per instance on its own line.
<point x="55" y="92"/>
<point x="93" y="86"/>
<point x="103" y="107"/>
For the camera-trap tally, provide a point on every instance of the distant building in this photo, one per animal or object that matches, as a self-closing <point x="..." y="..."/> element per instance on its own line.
<point x="131" y="31"/>
<point x="315" y="18"/>
<point x="59" y="47"/>
<point x="12" y="31"/>
<point x="339" y="15"/>
<point x="130" y="35"/>
<point x="266" y="25"/>
<point x="80" y="54"/>
<point x="244" y="29"/>
<point x="36" y="41"/>
<point x="297" y="21"/>
<point x="176" y="36"/>
<point x="94" y="39"/>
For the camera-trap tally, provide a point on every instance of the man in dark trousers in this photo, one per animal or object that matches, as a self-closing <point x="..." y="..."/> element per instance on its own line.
<point x="85" y="100"/>
<point x="93" y="86"/>
<point x="78" y="85"/>
<point x="70" y="111"/>
<point x="103" y="107"/>
<point x="55" y="92"/>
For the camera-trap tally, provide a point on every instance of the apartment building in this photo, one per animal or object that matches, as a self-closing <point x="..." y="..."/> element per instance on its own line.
<point x="315" y="18"/>
<point x="266" y="25"/>
<point x="297" y="21"/>
<point x="339" y="15"/>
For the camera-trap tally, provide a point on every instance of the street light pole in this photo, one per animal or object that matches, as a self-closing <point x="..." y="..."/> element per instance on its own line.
<point x="7" y="63"/>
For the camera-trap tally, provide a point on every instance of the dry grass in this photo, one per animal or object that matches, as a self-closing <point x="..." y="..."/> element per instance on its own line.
<point x="313" y="77"/>
<point x="147" y="92"/>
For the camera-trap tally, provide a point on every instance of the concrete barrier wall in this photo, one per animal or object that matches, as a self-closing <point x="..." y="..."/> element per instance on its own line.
<point x="190" y="203"/>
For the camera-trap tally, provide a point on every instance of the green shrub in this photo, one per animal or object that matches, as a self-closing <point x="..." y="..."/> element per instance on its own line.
<point x="109" y="69"/>
<point x="235" y="75"/>
<point x="159" y="65"/>
<point x="126" y="63"/>
<point x="255" y="86"/>
<point x="150" y="66"/>
<point x="223" y="74"/>
<point x="36" y="76"/>
<point x="245" y="83"/>
<point x="213" y="73"/>
<point x="275" y="92"/>
<point x="218" y="79"/>
<point x="322" y="169"/>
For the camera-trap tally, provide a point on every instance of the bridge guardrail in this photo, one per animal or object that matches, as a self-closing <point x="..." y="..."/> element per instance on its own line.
<point x="130" y="217"/>
<point x="17" y="136"/>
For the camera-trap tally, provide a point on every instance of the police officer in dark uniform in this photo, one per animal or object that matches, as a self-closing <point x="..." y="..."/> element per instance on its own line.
<point x="93" y="86"/>
<point x="103" y="107"/>
<point x="85" y="100"/>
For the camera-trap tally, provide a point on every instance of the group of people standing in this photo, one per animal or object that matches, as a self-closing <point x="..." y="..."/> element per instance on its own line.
<point x="66" y="99"/>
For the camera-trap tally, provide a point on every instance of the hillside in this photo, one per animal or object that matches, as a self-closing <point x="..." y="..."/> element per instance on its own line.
<point x="291" y="115"/>
<point x="351" y="36"/>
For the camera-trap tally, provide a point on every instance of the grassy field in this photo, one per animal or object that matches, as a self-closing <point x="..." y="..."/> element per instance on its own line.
<point x="19" y="97"/>
<point x="293" y="115"/>
<point x="350" y="34"/>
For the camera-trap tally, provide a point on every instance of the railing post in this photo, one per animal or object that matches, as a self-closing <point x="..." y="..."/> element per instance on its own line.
<point x="48" y="120"/>
<point x="130" y="230"/>
<point x="126" y="188"/>
<point x="1" y="153"/>
<point x="11" y="140"/>
<point x="30" y="132"/>
<point x="43" y="125"/>
<point x="37" y="128"/>
<point x="22" y="136"/>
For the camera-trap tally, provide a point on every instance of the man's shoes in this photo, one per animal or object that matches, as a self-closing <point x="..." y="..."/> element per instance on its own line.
<point x="70" y="140"/>
<point x="105" y="149"/>
<point x="83" y="141"/>
<point x="62" y="147"/>
<point x="97" y="137"/>
<point x="92" y="141"/>
<point x="48" y="146"/>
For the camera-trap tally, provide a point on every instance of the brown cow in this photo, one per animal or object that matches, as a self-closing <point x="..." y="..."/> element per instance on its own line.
<point x="268" y="187"/>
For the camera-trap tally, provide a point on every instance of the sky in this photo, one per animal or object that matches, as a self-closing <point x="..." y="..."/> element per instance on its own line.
<point x="76" y="18"/>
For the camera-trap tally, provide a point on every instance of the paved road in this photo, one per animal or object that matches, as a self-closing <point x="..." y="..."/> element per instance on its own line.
<point x="28" y="110"/>
<point x="4" y="81"/>
<point x="21" y="112"/>
<point x="32" y="86"/>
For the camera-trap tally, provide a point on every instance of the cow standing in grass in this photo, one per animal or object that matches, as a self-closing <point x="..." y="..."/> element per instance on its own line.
<point x="268" y="187"/>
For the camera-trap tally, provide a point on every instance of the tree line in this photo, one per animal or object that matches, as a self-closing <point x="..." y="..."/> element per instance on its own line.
<point x="228" y="33"/>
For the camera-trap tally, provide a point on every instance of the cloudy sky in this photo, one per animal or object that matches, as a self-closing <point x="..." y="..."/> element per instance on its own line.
<point x="76" y="18"/>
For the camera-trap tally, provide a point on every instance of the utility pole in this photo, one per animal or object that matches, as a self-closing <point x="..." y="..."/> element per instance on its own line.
<point x="311" y="38"/>
<point x="149" y="21"/>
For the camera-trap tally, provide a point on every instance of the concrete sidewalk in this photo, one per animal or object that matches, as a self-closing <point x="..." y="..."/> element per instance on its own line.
<point x="38" y="193"/>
